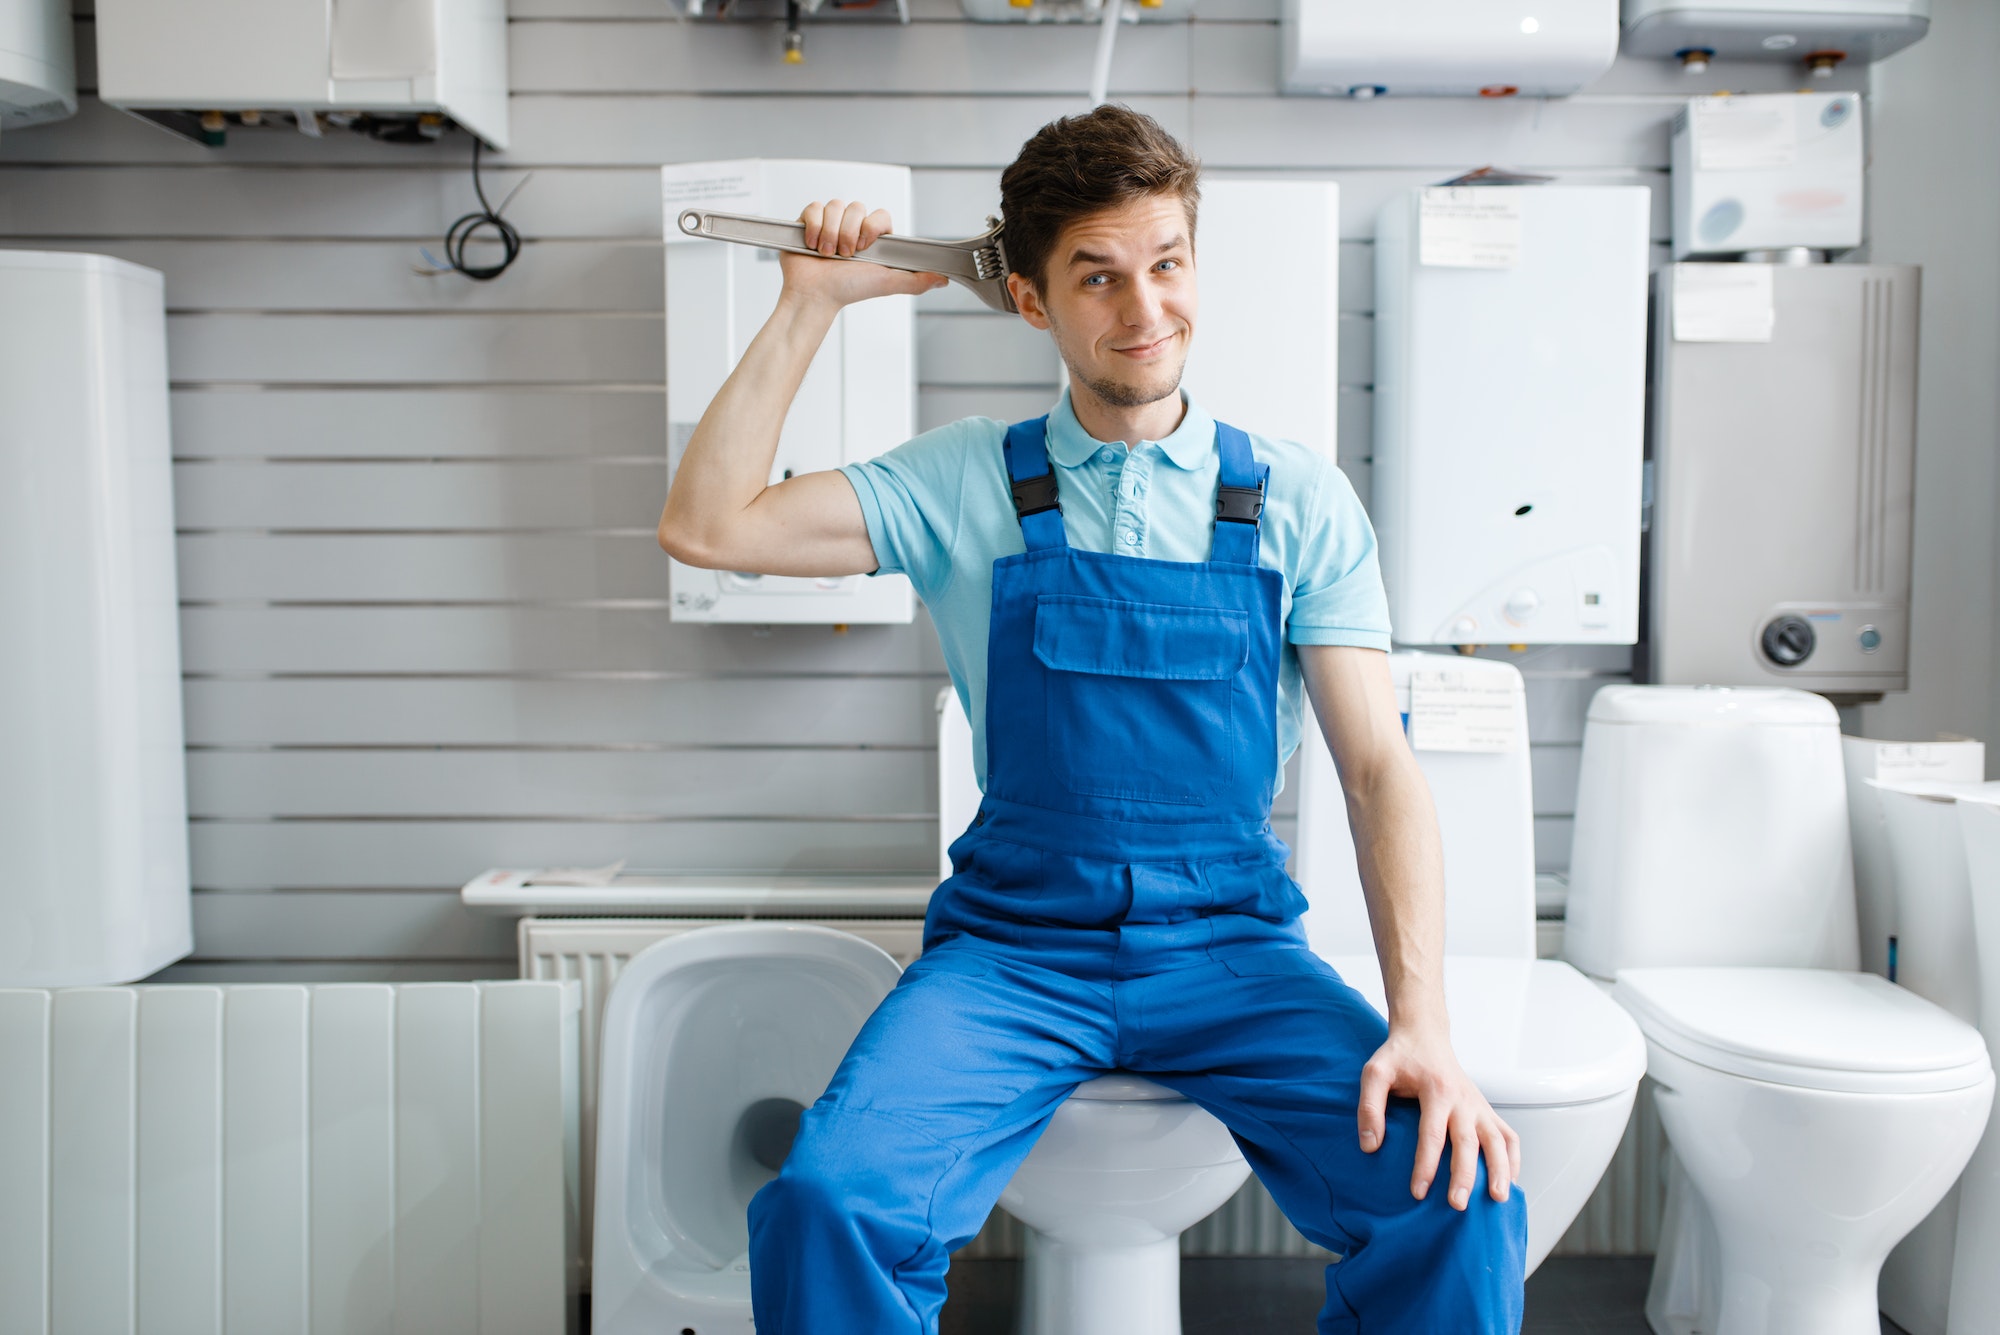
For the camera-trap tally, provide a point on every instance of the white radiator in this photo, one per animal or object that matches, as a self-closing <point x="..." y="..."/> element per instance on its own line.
<point x="336" y="1159"/>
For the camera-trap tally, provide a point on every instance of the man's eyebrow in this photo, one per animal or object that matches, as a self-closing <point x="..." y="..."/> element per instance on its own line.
<point x="1077" y="257"/>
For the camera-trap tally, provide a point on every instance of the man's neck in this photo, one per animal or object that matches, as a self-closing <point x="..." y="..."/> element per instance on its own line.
<point x="1105" y="422"/>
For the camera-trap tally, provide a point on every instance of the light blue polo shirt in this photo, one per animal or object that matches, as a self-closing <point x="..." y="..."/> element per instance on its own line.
<point x="939" y="510"/>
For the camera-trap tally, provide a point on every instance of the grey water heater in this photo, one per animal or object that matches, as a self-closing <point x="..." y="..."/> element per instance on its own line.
<point x="1783" y="461"/>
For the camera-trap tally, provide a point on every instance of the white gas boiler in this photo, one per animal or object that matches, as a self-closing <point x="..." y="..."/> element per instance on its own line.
<point x="1510" y="361"/>
<point x="1264" y="357"/>
<point x="858" y="397"/>
<point x="37" y="63"/>
<point x="1767" y="171"/>
<point x="93" y="794"/>
<point x="1821" y="34"/>
<point x="200" y="67"/>
<point x="1468" y="48"/>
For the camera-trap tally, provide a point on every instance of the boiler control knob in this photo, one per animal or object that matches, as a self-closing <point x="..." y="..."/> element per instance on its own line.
<point x="1788" y="640"/>
<point x="1521" y="604"/>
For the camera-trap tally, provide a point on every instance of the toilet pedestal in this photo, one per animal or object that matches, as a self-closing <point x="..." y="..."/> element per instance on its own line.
<point x="1070" y="1289"/>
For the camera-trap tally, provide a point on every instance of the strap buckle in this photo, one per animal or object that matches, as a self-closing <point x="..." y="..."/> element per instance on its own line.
<point x="1032" y="495"/>
<point x="1240" y="505"/>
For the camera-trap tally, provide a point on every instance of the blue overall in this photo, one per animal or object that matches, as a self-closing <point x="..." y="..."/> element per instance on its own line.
<point x="1119" y="902"/>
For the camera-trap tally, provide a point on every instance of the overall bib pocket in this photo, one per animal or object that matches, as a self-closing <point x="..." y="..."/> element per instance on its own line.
<point x="1140" y="696"/>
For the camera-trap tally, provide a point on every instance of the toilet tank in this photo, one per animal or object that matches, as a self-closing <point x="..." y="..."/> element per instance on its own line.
<point x="1711" y="829"/>
<point x="1467" y="721"/>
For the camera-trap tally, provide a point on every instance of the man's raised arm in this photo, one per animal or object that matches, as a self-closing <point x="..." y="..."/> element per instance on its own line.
<point x="722" y="513"/>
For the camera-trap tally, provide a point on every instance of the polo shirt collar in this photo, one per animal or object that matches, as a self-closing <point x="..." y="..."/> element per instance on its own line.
<point x="1190" y="445"/>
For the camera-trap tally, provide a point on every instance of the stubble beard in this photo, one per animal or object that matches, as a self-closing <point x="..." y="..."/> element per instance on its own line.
<point x="1122" y="393"/>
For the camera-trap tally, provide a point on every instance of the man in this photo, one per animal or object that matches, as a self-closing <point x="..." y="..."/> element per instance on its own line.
<point x="1130" y="597"/>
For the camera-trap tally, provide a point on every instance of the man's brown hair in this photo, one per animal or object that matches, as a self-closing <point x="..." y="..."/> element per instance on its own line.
<point x="1079" y="165"/>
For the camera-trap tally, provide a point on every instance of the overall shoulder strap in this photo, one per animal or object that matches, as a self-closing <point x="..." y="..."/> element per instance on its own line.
<point x="1033" y="479"/>
<point x="1239" y="498"/>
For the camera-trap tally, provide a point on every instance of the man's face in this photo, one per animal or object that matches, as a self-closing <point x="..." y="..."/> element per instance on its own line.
<point x="1120" y="300"/>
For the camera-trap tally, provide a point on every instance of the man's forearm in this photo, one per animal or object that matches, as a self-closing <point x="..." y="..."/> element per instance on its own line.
<point x="1402" y="878"/>
<point x="727" y="463"/>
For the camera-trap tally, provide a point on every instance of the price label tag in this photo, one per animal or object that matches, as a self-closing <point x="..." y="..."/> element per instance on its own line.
<point x="1455" y="711"/>
<point x="1941" y="762"/>
<point x="1469" y="227"/>
<point x="1724" y="303"/>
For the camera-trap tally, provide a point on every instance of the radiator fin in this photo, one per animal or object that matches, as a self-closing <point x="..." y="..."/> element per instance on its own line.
<point x="341" y="1159"/>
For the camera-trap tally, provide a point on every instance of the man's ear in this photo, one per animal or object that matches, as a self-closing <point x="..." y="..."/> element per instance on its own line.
<point x="1028" y="301"/>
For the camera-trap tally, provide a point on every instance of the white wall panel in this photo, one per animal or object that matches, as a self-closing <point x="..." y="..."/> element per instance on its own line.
<point x="323" y="276"/>
<point x="439" y="347"/>
<point x="543" y="785"/>
<point x="421" y="422"/>
<point x="693" y="713"/>
<point x="618" y="493"/>
<point x="479" y="641"/>
<point x="361" y="853"/>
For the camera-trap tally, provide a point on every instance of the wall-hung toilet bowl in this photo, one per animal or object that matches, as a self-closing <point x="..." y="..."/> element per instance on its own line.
<point x="1558" y="1060"/>
<point x="1122" y="1169"/>
<point x="714" y="1042"/>
<point x="1816" y="1116"/>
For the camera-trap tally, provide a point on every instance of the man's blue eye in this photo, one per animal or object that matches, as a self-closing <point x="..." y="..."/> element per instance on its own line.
<point x="1094" y="277"/>
<point x="1175" y="263"/>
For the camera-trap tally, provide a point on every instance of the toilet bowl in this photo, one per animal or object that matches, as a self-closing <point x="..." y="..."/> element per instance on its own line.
<point x="714" y="1042"/>
<point x="1816" y="1113"/>
<point x="1122" y="1169"/>
<point x="1557" y="1059"/>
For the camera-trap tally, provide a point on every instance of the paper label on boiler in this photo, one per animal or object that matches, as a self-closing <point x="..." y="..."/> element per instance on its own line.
<point x="728" y="187"/>
<point x="1724" y="303"/>
<point x="1744" y="133"/>
<point x="1469" y="227"/>
<point x="1455" y="711"/>
<point x="1942" y="762"/>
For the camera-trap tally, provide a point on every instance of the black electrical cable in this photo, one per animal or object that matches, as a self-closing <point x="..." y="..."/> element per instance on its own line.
<point x="467" y="228"/>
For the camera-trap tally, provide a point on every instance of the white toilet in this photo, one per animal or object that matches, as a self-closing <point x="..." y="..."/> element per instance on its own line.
<point x="1816" y="1113"/>
<point x="1555" y="1057"/>
<point x="714" y="1042"/>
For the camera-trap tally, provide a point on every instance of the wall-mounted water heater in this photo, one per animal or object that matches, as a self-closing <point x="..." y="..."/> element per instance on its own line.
<point x="1784" y="459"/>
<point x="201" y="67"/>
<point x="1764" y="171"/>
<point x="37" y="63"/>
<point x="93" y="799"/>
<point x="1510" y="363"/>
<point x="858" y="397"/>
<point x="1281" y="381"/>
<point x="1364" y="48"/>
<point x="1821" y="34"/>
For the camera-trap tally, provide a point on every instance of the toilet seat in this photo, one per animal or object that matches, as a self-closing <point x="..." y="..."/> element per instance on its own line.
<point x="1530" y="1033"/>
<point x="1124" y="1087"/>
<point x="1819" y="1029"/>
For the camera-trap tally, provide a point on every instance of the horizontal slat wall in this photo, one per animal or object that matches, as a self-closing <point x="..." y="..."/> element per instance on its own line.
<point x="424" y="622"/>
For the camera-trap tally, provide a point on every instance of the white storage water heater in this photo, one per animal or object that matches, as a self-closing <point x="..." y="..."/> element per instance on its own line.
<point x="93" y="798"/>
